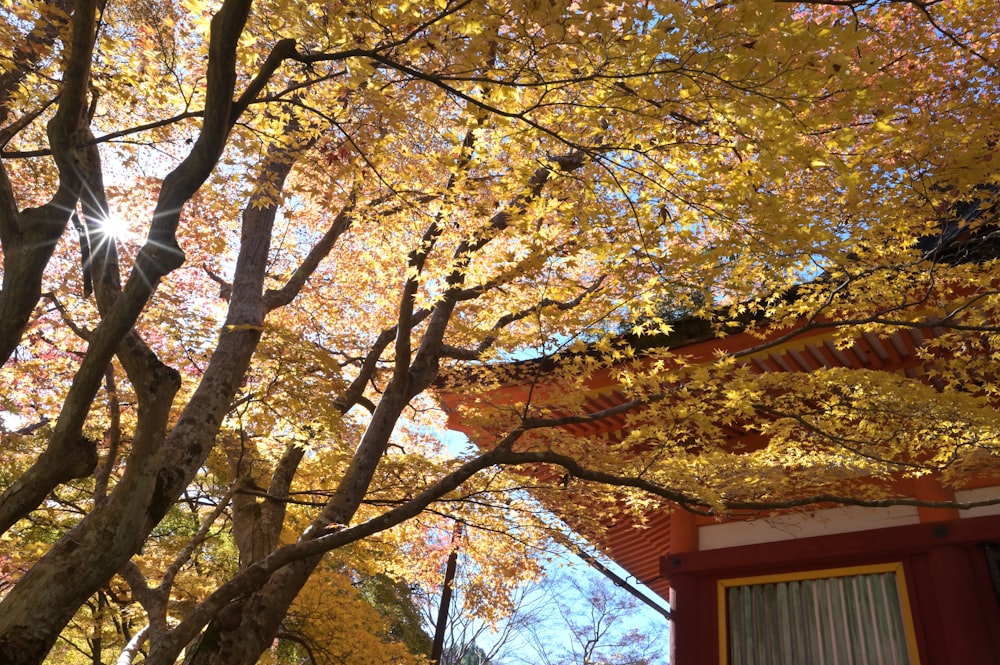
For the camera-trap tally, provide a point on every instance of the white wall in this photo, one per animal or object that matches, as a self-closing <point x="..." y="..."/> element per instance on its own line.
<point x="981" y="494"/>
<point x="804" y="525"/>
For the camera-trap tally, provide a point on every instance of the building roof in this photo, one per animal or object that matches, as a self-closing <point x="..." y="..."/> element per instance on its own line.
<point x="803" y="348"/>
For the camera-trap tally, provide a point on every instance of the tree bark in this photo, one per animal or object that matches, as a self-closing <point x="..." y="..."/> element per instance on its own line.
<point x="35" y="611"/>
<point x="247" y="626"/>
<point x="42" y="602"/>
<point x="29" y="237"/>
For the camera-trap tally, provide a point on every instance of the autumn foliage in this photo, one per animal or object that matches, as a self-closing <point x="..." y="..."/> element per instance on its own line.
<point x="243" y="241"/>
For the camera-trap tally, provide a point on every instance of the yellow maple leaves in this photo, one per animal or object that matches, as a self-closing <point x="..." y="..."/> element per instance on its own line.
<point x="474" y="184"/>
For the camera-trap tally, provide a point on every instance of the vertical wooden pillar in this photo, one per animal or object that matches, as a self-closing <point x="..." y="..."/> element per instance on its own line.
<point x="961" y="627"/>
<point x="927" y="488"/>
<point x="683" y="532"/>
<point x="685" y="599"/>
<point x="694" y="615"/>
<point x="684" y="603"/>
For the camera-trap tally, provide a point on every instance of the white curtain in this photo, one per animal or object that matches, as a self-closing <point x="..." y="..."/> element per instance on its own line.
<point x="853" y="620"/>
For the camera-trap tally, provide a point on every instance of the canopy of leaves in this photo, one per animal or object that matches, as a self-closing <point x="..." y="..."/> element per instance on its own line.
<point x="241" y="240"/>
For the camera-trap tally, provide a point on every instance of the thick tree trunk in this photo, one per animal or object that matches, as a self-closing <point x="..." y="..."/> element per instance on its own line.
<point x="159" y="468"/>
<point x="245" y="628"/>
<point x="25" y="255"/>
<point x="241" y="632"/>
<point x="34" y="612"/>
<point x="29" y="237"/>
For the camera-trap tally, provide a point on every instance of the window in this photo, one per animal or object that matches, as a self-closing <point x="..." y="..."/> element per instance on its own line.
<point x="846" y="616"/>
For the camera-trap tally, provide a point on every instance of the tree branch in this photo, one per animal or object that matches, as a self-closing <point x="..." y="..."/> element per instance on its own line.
<point x="274" y="299"/>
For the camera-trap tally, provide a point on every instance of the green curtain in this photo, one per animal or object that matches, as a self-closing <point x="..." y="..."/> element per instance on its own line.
<point x="853" y="620"/>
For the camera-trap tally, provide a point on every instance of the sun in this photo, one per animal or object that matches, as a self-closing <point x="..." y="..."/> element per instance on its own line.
<point x="115" y="227"/>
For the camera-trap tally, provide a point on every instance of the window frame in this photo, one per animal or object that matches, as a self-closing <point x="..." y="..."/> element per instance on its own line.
<point x="896" y="568"/>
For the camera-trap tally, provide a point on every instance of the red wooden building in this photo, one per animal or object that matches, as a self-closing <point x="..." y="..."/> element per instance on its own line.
<point x="836" y="585"/>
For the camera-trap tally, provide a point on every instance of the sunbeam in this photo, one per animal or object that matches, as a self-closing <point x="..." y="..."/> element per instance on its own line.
<point x="115" y="227"/>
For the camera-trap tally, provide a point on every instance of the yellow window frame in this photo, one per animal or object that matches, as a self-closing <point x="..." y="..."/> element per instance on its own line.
<point x="849" y="571"/>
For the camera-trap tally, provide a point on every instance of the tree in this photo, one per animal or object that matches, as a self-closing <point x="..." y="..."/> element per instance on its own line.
<point x="601" y="625"/>
<point x="337" y="200"/>
<point x="570" y="614"/>
<point x="468" y="631"/>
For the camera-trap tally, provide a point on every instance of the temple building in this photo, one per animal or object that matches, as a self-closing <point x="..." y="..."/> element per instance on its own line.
<point x="913" y="580"/>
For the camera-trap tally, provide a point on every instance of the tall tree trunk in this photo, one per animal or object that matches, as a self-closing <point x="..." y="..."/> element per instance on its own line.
<point x="160" y="466"/>
<point x="38" y="607"/>
<point x="246" y="627"/>
<point x="447" y="590"/>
